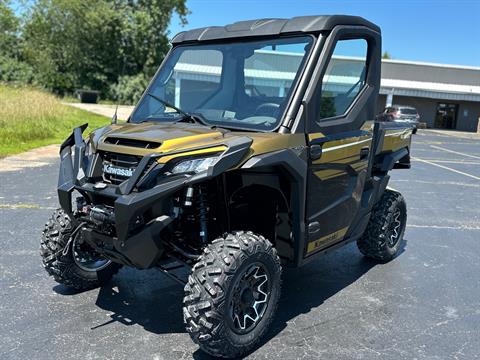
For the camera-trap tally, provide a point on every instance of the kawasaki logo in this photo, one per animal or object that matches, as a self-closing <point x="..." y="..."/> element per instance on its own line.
<point x="112" y="170"/>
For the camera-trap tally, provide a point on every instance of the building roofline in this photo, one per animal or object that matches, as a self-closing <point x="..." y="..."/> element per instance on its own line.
<point x="422" y="63"/>
<point x="393" y="61"/>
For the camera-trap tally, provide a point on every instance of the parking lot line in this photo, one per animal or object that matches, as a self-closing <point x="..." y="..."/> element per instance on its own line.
<point x="447" y="168"/>
<point x="454" y="152"/>
<point x="443" y="227"/>
<point x="454" y="161"/>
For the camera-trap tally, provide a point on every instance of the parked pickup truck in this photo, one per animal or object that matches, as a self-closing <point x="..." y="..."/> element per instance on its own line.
<point x="253" y="148"/>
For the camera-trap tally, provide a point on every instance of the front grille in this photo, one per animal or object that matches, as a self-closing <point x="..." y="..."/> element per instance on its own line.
<point x="125" y="164"/>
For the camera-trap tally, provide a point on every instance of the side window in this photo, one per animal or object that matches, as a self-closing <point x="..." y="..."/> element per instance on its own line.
<point x="344" y="78"/>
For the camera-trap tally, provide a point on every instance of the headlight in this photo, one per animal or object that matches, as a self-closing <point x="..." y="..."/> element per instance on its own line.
<point x="194" y="165"/>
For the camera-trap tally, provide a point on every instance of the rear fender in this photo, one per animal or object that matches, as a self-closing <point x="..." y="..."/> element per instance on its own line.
<point x="399" y="159"/>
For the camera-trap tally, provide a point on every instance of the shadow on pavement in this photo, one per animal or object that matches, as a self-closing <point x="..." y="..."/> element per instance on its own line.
<point x="158" y="306"/>
<point x="158" y="310"/>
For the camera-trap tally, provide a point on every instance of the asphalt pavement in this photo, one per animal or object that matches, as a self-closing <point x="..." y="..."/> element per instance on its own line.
<point x="425" y="304"/>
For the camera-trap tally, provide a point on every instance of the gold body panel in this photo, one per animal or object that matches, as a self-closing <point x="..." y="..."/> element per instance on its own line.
<point x="188" y="139"/>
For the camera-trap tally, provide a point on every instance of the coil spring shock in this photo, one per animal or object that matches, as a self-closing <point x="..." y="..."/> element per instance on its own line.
<point x="202" y="208"/>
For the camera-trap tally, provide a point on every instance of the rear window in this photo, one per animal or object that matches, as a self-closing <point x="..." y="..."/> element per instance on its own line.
<point x="408" y="111"/>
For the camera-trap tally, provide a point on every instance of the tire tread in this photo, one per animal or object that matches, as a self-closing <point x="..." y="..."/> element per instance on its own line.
<point x="206" y="289"/>
<point x="62" y="268"/>
<point x="373" y="243"/>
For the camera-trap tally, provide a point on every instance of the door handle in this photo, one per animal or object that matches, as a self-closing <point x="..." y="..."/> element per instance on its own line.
<point x="315" y="152"/>
<point x="364" y="153"/>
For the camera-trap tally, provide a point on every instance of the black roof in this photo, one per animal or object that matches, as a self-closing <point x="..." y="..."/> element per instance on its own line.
<point x="272" y="27"/>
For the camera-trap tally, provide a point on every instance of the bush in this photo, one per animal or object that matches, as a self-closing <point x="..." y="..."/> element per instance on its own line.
<point x="12" y="70"/>
<point x="129" y="89"/>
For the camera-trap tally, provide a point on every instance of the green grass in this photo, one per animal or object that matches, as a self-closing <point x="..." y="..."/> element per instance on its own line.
<point x="30" y="118"/>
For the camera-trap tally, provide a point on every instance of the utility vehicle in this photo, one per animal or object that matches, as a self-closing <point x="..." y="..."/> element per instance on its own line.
<point x="253" y="148"/>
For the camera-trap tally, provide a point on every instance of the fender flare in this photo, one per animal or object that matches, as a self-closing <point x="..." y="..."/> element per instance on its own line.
<point x="295" y="166"/>
<point x="389" y="160"/>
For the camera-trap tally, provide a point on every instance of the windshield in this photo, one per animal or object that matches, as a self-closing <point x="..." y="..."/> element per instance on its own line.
<point x="244" y="85"/>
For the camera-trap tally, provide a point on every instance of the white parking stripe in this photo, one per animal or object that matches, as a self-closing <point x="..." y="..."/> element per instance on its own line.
<point x="462" y="227"/>
<point x="454" y="152"/>
<point x="447" y="168"/>
<point x="454" y="161"/>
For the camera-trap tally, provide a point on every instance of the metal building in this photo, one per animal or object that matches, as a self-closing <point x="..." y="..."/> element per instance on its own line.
<point x="446" y="96"/>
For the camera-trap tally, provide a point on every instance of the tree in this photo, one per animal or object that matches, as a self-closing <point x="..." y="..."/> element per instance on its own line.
<point x="12" y="66"/>
<point x="386" y="55"/>
<point x="9" y="26"/>
<point x="90" y="43"/>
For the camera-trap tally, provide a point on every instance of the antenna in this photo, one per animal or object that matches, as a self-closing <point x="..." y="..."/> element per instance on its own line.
<point x="115" y="117"/>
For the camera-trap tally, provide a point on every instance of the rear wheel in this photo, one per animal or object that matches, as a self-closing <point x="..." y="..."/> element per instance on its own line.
<point x="232" y="294"/>
<point x="384" y="234"/>
<point x="69" y="259"/>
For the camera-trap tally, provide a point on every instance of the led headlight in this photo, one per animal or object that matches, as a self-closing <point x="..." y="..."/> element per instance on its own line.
<point x="194" y="165"/>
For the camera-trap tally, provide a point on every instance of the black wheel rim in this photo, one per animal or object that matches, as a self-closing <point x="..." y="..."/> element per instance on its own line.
<point x="395" y="228"/>
<point x="87" y="258"/>
<point x="249" y="299"/>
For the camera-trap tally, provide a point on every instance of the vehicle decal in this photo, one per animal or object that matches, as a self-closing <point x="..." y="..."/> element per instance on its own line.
<point x="333" y="237"/>
<point x="331" y="148"/>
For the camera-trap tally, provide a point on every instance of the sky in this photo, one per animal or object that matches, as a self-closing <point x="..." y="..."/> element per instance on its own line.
<point x="438" y="31"/>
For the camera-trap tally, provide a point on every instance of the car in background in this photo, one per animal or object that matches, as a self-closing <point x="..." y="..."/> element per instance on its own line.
<point x="401" y="114"/>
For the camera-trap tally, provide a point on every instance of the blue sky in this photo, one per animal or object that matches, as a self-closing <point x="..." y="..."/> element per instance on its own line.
<point x="437" y="31"/>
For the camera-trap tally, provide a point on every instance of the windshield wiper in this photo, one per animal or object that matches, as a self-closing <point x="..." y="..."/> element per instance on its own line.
<point x="196" y="118"/>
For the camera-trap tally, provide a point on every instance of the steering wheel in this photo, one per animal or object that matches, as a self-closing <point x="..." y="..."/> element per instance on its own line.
<point x="267" y="109"/>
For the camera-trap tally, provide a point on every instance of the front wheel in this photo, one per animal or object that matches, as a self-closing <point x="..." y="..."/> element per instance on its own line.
<point x="383" y="237"/>
<point x="232" y="294"/>
<point x="69" y="259"/>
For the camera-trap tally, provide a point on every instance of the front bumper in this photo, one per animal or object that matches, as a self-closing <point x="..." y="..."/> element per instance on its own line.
<point x="131" y="246"/>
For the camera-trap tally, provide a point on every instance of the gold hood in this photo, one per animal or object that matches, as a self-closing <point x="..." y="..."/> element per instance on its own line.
<point x="148" y="137"/>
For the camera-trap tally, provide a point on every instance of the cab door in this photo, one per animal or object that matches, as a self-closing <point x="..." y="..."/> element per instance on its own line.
<point x="339" y="124"/>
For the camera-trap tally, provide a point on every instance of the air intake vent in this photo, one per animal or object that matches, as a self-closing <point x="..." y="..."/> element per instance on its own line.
<point x="132" y="143"/>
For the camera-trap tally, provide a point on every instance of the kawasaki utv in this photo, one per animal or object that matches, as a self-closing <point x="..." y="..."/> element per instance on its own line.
<point x="252" y="149"/>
